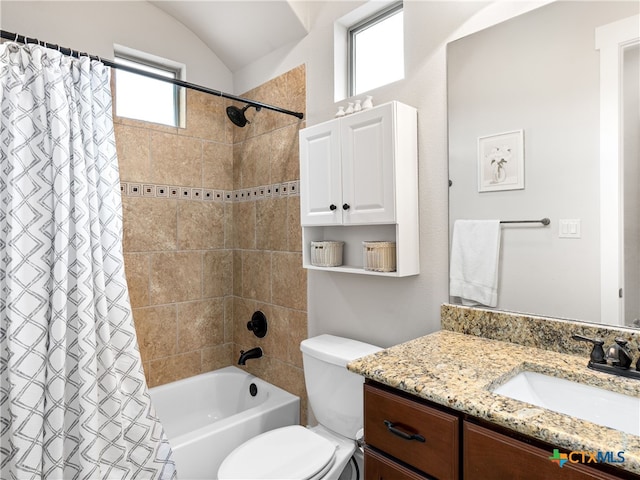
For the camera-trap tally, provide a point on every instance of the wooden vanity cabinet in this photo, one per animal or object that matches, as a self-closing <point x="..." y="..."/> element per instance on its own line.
<point x="489" y="455"/>
<point x="417" y="436"/>
<point x="455" y="446"/>
<point x="380" y="467"/>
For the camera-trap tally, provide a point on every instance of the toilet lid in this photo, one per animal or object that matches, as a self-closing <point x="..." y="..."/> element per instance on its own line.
<point x="292" y="452"/>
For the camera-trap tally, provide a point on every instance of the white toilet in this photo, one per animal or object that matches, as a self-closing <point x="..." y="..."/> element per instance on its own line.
<point x="320" y="452"/>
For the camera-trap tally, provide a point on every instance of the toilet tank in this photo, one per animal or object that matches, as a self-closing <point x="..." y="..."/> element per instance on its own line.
<point x="335" y="393"/>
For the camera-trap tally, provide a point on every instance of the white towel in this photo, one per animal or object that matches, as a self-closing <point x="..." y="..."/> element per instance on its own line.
<point x="475" y="252"/>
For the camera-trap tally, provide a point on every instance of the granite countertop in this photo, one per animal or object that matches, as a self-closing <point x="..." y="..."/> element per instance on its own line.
<point x="457" y="371"/>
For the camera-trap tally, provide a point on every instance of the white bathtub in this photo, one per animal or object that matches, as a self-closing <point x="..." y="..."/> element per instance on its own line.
<point x="207" y="416"/>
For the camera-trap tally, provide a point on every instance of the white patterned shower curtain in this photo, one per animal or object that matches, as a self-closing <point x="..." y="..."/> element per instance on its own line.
<point x="73" y="398"/>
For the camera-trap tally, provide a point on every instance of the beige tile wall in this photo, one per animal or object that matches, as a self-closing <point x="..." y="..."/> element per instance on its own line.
<point x="178" y="263"/>
<point x="196" y="269"/>
<point x="267" y="257"/>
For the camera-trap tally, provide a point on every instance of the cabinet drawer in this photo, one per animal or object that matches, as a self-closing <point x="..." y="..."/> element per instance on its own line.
<point x="416" y="434"/>
<point x="379" y="467"/>
<point x="489" y="455"/>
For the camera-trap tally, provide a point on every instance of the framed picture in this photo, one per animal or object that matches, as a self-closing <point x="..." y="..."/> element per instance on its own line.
<point x="501" y="162"/>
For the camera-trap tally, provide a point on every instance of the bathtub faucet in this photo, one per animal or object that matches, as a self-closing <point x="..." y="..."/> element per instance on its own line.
<point x="253" y="353"/>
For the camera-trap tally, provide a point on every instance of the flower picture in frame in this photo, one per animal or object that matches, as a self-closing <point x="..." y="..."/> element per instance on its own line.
<point x="501" y="161"/>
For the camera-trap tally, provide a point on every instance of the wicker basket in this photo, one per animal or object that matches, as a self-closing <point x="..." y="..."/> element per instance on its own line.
<point x="379" y="256"/>
<point x="326" y="253"/>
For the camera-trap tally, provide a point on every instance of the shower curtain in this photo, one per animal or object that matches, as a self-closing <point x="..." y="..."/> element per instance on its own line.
<point x="73" y="397"/>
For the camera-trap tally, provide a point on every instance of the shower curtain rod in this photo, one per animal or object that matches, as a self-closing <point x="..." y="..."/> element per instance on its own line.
<point x="180" y="83"/>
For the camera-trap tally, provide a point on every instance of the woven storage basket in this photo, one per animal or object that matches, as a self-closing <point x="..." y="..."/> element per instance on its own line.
<point x="379" y="256"/>
<point x="326" y="253"/>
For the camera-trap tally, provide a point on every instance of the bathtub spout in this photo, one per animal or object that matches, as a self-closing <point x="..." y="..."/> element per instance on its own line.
<point x="253" y="353"/>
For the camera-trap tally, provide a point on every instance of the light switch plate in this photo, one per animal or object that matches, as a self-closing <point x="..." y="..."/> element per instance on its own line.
<point x="569" y="228"/>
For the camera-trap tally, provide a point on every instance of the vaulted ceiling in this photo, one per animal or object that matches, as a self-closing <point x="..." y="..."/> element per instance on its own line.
<point x="239" y="32"/>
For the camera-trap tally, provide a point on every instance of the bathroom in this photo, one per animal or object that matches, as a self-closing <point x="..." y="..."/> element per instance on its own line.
<point x="201" y="269"/>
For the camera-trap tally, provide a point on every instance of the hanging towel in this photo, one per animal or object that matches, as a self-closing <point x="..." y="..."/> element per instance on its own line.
<point x="475" y="251"/>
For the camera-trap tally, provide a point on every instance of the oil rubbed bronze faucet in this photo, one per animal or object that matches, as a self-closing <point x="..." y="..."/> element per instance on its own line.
<point x="253" y="353"/>
<point x="616" y="361"/>
<point x="619" y="355"/>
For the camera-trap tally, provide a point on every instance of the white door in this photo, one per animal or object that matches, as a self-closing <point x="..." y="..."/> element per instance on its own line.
<point x="613" y="40"/>
<point x="320" y="176"/>
<point x="368" y="195"/>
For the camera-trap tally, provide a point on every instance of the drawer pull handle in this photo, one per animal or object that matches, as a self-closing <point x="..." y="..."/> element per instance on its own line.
<point x="407" y="436"/>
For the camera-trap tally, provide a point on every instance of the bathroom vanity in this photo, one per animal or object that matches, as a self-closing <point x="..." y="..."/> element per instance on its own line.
<point x="454" y="446"/>
<point x="431" y="412"/>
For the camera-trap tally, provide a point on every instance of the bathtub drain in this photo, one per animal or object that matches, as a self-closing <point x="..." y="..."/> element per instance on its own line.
<point x="253" y="389"/>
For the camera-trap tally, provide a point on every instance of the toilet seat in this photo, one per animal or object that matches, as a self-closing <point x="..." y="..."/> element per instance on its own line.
<point x="293" y="452"/>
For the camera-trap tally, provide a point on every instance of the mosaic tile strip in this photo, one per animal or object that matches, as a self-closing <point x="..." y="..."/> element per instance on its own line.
<point x="133" y="189"/>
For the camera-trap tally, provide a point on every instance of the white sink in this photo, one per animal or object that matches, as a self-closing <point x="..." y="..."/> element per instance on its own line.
<point x="593" y="404"/>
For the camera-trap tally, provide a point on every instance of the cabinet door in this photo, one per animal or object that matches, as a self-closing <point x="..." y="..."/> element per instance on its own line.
<point x="379" y="467"/>
<point x="368" y="176"/>
<point x="418" y="435"/>
<point x="320" y="175"/>
<point x="489" y="455"/>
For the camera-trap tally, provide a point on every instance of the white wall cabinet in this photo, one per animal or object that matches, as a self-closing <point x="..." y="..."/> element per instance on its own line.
<point x="359" y="182"/>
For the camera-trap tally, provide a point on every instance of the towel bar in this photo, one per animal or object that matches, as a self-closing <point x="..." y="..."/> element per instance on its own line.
<point x="543" y="221"/>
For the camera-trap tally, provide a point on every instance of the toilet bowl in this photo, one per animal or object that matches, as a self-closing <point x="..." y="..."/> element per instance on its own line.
<point x="322" y="451"/>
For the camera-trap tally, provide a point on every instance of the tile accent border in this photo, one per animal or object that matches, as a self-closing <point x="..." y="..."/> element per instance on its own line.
<point x="284" y="189"/>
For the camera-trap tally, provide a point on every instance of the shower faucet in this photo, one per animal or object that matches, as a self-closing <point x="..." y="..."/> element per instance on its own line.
<point x="253" y="353"/>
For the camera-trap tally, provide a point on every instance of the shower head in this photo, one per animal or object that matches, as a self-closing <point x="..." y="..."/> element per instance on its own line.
<point x="237" y="116"/>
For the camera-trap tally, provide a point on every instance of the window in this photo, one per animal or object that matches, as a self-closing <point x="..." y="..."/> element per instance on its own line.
<point x="144" y="98"/>
<point x="376" y="50"/>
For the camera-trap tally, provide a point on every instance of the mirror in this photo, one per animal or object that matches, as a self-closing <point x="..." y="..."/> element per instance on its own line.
<point x="539" y="73"/>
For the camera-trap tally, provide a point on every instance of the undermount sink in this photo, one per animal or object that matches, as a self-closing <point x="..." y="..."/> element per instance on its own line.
<point x="597" y="405"/>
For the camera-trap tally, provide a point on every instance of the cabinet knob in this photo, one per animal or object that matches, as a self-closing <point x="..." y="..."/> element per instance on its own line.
<point x="346" y="206"/>
<point x="332" y="207"/>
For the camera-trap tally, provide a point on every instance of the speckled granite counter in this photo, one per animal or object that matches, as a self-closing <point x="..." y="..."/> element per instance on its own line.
<point x="457" y="371"/>
<point x="532" y="331"/>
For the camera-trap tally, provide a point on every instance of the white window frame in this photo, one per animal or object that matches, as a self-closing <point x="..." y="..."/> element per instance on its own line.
<point x="176" y="68"/>
<point x="353" y="30"/>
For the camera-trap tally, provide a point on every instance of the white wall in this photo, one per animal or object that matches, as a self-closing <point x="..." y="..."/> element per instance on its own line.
<point x="94" y="27"/>
<point x="386" y="311"/>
